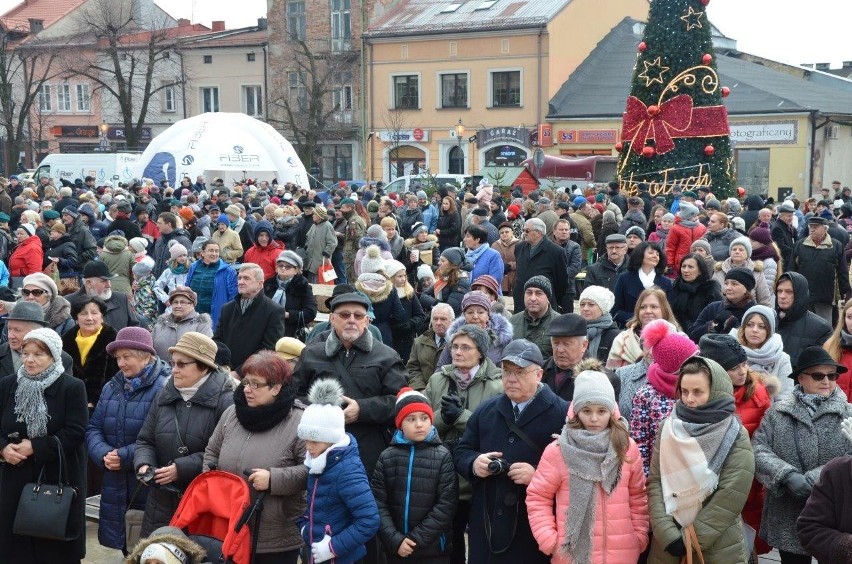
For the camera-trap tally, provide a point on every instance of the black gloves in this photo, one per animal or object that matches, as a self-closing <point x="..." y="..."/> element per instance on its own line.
<point x="451" y="408"/>
<point x="677" y="548"/>
<point x="798" y="485"/>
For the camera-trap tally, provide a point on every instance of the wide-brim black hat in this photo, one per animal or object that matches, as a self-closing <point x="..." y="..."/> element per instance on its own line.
<point x="815" y="356"/>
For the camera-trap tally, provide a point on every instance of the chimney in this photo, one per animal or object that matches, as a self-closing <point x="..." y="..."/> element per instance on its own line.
<point x="36" y="25"/>
<point x="847" y="64"/>
<point x="218" y="25"/>
<point x="182" y="22"/>
<point x="823" y="66"/>
<point x="262" y="24"/>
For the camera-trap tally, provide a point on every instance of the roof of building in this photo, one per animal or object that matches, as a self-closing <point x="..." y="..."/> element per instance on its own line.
<point x="49" y="11"/>
<point x="427" y="17"/>
<point x="600" y="85"/>
<point x="230" y="38"/>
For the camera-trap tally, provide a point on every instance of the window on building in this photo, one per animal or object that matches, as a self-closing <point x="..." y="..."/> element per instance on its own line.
<point x="84" y="100"/>
<point x="63" y="98"/>
<point x="208" y="59"/>
<point x="456" y="164"/>
<point x="753" y="170"/>
<point x="296" y="20"/>
<point x="210" y="99"/>
<point x="45" y="101"/>
<point x="506" y="89"/>
<point x="253" y="100"/>
<point x="250" y="57"/>
<point x="341" y="29"/>
<point x="342" y="98"/>
<point x="169" y="99"/>
<point x="406" y="92"/>
<point x="454" y="90"/>
<point x="298" y="92"/>
<point x="335" y="163"/>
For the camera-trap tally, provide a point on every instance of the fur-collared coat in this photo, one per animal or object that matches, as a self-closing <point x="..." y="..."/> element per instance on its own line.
<point x="499" y="330"/>
<point x="386" y="304"/>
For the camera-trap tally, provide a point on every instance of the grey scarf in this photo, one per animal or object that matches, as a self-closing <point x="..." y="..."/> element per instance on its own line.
<point x="280" y="296"/>
<point x="30" y="406"/>
<point x="847" y="338"/>
<point x="594" y="331"/>
<point x="590" y="459"/>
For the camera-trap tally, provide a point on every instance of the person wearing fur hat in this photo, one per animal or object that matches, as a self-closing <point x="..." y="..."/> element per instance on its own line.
<point x="230" y="246"/>
<point x="763" y="345"/>
<point x="693" y="289"/>
<point x="46" y="406"/>
<point x="341" y="515"/>
<point x="593" y="457"/>
<point x="41" y="289"/>
<point x="753" y="393"/>
<point x="374" y="283"/>
<point x="416" y="486"/>
<point x="265" y="249"/>
<point x="374" y="235"/>
<point x="686" y="229"/>
<point x="797" y="436"/>
<point x="476" y="310"/>
<point x="413" y="319"/>
<point x="740" y="257"/>
<point x="726" y="314"/>
<point x="701" y="471"/>
<point x="452" y="280"/>
<point x="596" y="303"/>
<point x="119" y="258"/>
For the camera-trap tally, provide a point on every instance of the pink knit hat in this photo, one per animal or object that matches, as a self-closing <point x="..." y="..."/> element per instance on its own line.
<point x="669" y="348"/>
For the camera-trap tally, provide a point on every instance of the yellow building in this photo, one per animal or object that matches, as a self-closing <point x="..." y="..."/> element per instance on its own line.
<point x="455" y="86"/>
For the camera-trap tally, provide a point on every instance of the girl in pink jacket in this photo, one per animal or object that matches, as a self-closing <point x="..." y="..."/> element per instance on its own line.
<point x="594" y="472"/>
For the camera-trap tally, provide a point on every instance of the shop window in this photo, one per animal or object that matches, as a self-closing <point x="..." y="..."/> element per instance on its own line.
<point x="753" y="170"/>
<point x="505" y="155"/>
<point x="335" y="163"/>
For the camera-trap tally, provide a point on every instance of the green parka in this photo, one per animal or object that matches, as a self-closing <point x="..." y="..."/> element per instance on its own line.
<point x="718" y="524"/>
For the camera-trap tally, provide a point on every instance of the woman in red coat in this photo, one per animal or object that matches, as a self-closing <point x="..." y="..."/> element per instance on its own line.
<point x="753" y="393"/>
<point x="265" y="250"/>
<point x="686" y="229"/>
<point x="28" y="255"/>
<point x="839" y="346"/>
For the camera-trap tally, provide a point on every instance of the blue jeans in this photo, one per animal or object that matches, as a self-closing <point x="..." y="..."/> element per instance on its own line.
<point x="339" y="267"/>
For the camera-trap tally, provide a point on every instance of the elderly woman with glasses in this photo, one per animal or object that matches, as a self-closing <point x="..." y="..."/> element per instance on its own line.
<point x="291" y="290"/>
<point x="41" y="289"/>
<point x="115" y="424"/>
<point x="170" y="447"/>
<point x="797" y="436"/>
<point x="181" y="318"/>
<point x="258" y="435"/>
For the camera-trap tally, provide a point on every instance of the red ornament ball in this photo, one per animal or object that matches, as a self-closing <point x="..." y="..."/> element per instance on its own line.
<point x="705" y="2"/>
<point x="725" y="91"/>
<point x="707" y="58"/>
<point x="709" y="150"/>
<point x="619" y="146"/>
<point x="648" y="152"/>
<point x="653" y="110"/>
<point x="642" y="46"/>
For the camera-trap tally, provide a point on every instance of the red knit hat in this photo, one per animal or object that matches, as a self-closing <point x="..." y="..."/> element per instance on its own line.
<point x="409" y="401"/>
<point x="513" y="211"/>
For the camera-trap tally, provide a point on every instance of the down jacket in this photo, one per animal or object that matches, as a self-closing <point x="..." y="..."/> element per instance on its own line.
<point x="620" y="532"/>
<point x="341" y="504"/>
<point x="416" y="489"/>
<point x="799" y="327"/>
<point x="792" y="439"/>
<point x="680" y="240"/>
<point x="115" y="425"/>
<point x="762" y="292"/>
<point x="720" y="242"/>
<point x="159" y="440"/>
<point x="266" y="256"/>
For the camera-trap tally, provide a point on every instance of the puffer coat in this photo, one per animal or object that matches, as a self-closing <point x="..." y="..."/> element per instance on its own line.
<point x="264" y="256"/>
<point x="762" y="293"/>
<point x="792" y="439"/>
<point x="159" y="440"/>
<point x="416" y="490"/>
<point x="720" y="242"/>
<point x="341" y="505"/>
<point x="119" y="260"/>
<point x="620" y="532"/>
<point x="115" y="425"/>
<point x="799" y="327"/>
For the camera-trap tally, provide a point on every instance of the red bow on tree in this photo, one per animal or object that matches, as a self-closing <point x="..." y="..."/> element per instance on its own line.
<point x="672" y="119"/>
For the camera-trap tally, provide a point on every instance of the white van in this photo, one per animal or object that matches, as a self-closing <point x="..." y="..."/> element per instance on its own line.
<point x="402" y="184"/>
<point x="113" y="167"/>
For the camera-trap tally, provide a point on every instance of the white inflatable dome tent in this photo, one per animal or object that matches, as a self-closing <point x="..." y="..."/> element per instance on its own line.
<point x="230" y="146"/>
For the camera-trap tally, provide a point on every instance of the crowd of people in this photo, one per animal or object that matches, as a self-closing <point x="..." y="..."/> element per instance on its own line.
<point x="453" y="407"/>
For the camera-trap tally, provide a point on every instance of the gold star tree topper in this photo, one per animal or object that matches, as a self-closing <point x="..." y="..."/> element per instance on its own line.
<point x="656" y="66"/>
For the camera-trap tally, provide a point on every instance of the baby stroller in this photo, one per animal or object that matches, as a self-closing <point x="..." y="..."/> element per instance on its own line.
<point x="214" y="512"/>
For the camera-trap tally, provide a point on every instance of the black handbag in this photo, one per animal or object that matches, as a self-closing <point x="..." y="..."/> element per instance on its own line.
<point x="44" y="509"/>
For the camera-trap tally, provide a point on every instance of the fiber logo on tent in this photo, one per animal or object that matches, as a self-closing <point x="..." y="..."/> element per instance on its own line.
<point x="187" y="160"/>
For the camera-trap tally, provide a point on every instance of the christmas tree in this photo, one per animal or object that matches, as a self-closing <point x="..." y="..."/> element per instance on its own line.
<point x="675" y="130"/>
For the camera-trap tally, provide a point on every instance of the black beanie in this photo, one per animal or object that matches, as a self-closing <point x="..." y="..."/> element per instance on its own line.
<point x="723" y="348"/>
<point x="742" y="275"/>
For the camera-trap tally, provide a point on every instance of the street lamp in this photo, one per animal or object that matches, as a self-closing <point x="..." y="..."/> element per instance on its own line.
<point x="104" y="128"/>
<point x="459" y="133"/>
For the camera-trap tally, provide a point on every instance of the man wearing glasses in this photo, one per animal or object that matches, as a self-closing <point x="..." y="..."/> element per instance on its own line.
<point x="538" y="255"/>
<point x="371" y="374"/>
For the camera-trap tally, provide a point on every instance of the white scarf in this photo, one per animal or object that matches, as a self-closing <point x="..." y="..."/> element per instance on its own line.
<point x="187" y="393"/>
<point x="647" y="279"/>
<point x="768" y="356"/>
<point x="317" y="465"/>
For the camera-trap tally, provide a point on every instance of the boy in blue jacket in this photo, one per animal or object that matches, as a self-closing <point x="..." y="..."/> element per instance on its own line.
<point x="341" y="514"/>
<point x="416" y="486"/>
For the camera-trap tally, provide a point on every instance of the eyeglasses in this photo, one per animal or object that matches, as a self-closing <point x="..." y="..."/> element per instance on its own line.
<point x="347" y="314"/>
<point x="180" y="303"/>
<point x="180" y="364"/>
<point x="516" y="374"/>
<point x="819" y="376"/>
<point x="254" y="385"/>
<point x="285" y="266"/>
<point x="462" y="348"/>
<point x="37" y="293"/>
<point x="525" y="230"/>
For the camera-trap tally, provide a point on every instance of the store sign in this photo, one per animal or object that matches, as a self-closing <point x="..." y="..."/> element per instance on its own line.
<point x="765" y="133"/>
<point x="589" y="136"/>
<point x="545" y="135"/>
<point x="403" y="135"/>
<point x="75" y="131"/>
<point x="518" y="135"/>
<point x="118" y="134"/>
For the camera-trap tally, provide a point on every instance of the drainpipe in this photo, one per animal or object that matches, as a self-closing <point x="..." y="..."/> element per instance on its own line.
<point x="814" y="128"/>
<point x="182" y="84"/>
<point x="538" y="82"/>
<point x="266" y="80"/>
<point x="364" y="129"/>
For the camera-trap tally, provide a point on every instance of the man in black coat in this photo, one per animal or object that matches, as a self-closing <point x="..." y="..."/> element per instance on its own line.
<point x="97" y="282"/>
<point x="783" y="232"/>
<point x="498" y="452"/>
<point x="251" y="322"/>
<point x="538" y="255"/>
<point x="820" y="259"/>
<point x="123" y="222"/>
<point x="607" y="268"/>
<point x="169" y="231"/>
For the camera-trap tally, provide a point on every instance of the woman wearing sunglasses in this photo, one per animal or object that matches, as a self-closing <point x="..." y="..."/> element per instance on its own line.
<point x="41" y="289"/>
<point x="796" y="438"/>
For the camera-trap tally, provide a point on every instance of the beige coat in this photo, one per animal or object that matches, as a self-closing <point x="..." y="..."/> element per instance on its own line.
<point x="230" y="246"/>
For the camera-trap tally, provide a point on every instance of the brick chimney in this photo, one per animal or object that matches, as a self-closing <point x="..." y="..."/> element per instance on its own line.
<point x="36" y="25"/>
<point x="183" y="22"/>
<point x="218" y="25"/>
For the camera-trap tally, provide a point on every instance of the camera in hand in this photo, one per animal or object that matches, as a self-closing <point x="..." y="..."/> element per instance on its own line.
<point x="498" y="466"/>
<point x="146" y="477"/>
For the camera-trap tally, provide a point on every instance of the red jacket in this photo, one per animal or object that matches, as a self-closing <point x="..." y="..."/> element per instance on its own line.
<point x="844" y="381"/>
<point x="679" y="241"/>
<point x="27" y="257"/>
<point x="751" y="413"/>
<point x="265" y="257"/>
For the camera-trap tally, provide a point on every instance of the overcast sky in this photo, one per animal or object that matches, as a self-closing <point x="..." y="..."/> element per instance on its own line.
<point x="792" y="31"/>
